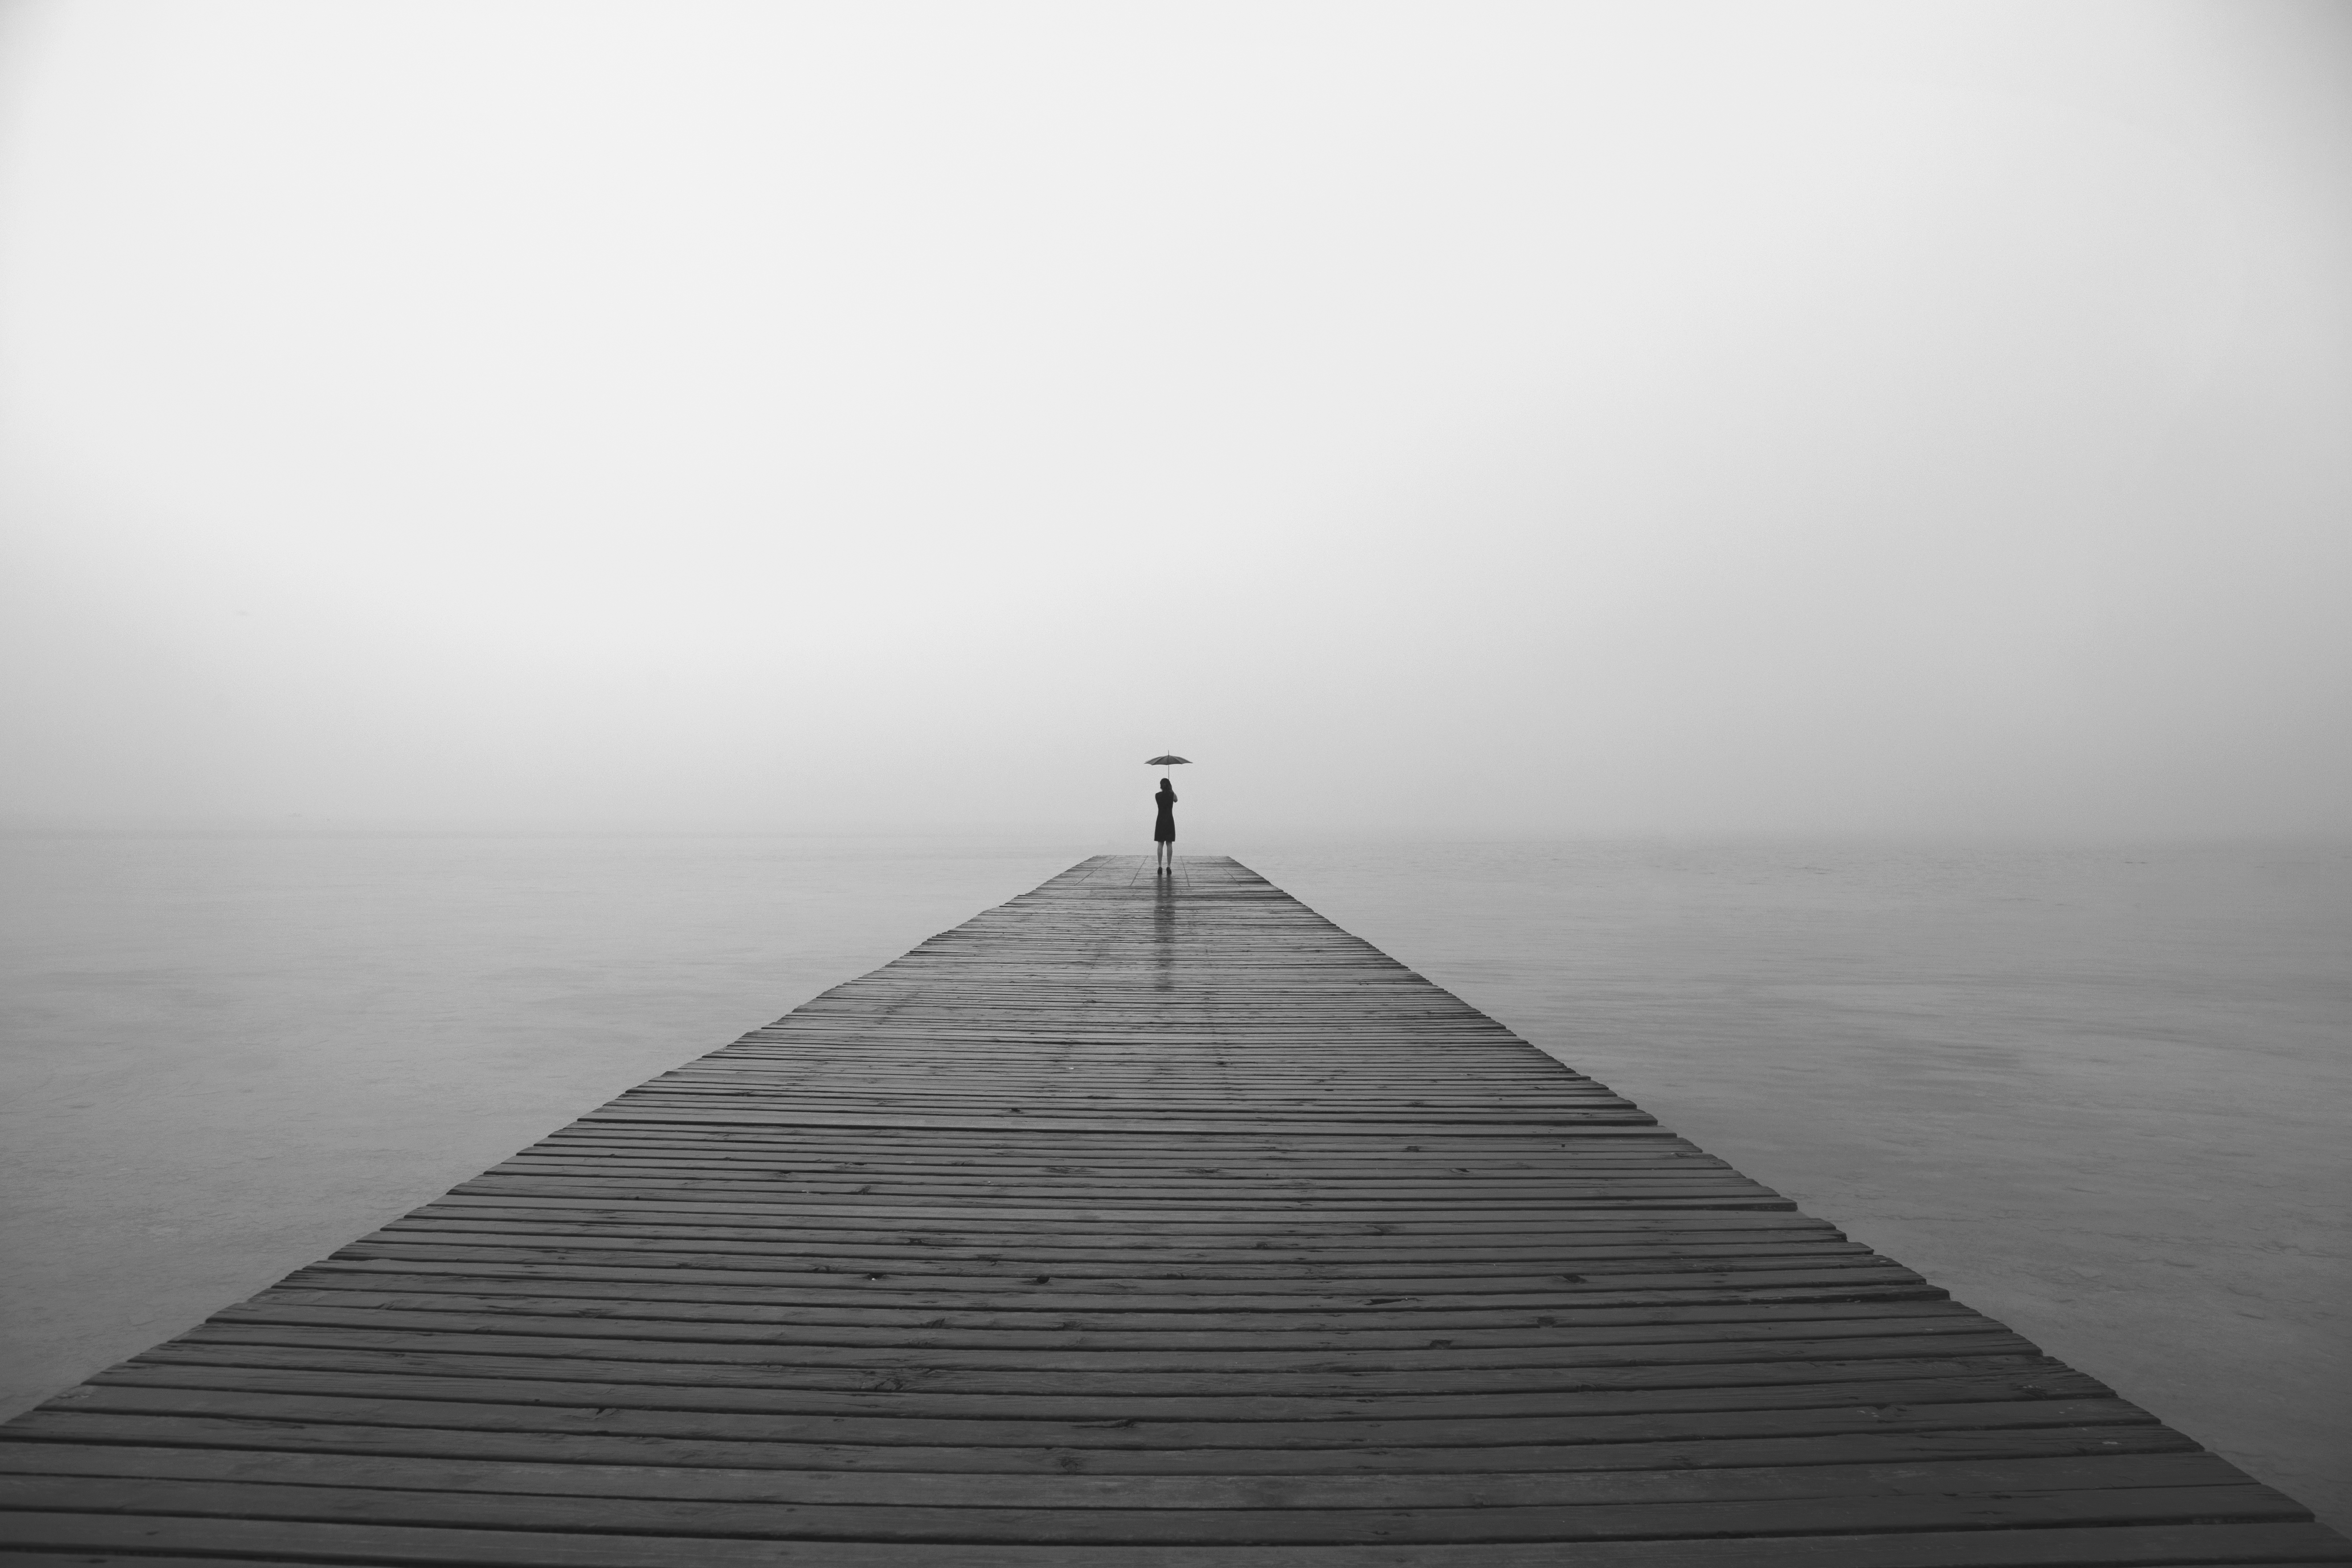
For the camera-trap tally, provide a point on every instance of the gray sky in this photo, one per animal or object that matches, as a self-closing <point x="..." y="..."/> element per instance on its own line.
<point x="1435" y="417"/>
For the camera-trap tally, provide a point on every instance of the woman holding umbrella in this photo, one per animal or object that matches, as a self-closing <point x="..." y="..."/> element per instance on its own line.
<point x="1163" y="827"/>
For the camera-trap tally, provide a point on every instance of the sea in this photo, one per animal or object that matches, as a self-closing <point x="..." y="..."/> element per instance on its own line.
<point x="2098" y="1090"/>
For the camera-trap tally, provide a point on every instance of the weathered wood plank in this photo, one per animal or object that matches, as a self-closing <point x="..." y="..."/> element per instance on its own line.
<point x="2235" y="1545"/>
<point x="2087" y="1428"/>
<point x="1885" y="1509"/>
<point x="1493" y="1489"/>
<point x="285" y="1413"/>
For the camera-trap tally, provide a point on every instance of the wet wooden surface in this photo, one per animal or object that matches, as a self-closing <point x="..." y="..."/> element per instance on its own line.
<point x="1140" y="1222"/>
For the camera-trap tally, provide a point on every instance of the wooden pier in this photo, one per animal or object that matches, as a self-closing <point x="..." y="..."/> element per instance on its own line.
<point x="1138" y="1223"/>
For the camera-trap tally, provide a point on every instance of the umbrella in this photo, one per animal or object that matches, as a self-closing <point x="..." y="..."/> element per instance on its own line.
<point x="1170" y="761"/>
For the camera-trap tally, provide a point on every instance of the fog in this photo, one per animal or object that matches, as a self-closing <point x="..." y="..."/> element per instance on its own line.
<point x="1432" y="418"/>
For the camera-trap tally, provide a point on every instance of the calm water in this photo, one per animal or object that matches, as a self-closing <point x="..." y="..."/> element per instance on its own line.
<point x="2098" y="1093"/>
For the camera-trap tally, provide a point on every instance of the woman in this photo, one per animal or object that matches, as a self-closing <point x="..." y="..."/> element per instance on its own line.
<point x="1163" y="832"/>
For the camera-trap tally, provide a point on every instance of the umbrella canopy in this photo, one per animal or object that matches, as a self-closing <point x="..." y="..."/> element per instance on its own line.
<point x="1169" y="761"/>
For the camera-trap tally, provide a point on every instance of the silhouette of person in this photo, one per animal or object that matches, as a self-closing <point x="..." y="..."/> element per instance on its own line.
<point x="1163" y="832"/>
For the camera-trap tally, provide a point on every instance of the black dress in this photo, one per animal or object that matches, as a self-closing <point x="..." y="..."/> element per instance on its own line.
<point x="1163" y="831"/>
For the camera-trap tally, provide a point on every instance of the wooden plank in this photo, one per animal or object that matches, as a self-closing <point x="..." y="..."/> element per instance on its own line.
<point x="544" y="1315"/>
<point x="1275" y="1218"/>
<point x="1068" y="1397"/>
<point x="1245" y="1492"/>
<point x="286" y="1413"/>
<point x="1885" y="1509"/>
<point x="1365" y="1312"/>
<point x="884" y="1412"/>
<point x="1140" y="1372"/>
<point x="2236" y="1545"/>
<point x="2090" y="1427"/>
<point x="434" y="1293"/>
<point x="1138" y="1223"/>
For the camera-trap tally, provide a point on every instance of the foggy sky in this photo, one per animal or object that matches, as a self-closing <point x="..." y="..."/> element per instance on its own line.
<point x="1444" y="417"/>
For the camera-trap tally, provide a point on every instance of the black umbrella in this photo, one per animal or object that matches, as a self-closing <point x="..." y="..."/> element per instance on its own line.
<point x="1170" y="761"/>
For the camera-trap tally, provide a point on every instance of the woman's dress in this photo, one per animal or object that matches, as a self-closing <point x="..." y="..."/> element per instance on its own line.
<point x="1163" y="831"/>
